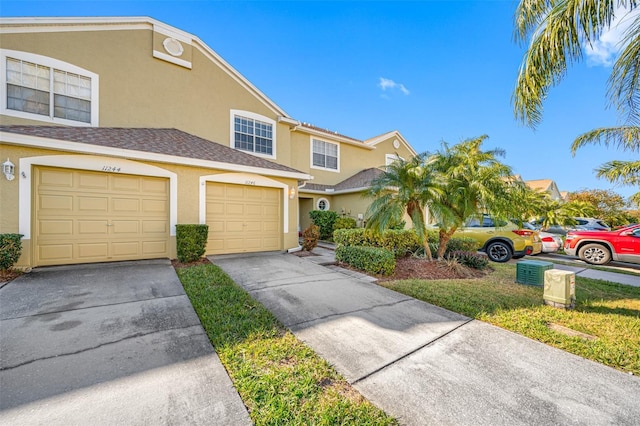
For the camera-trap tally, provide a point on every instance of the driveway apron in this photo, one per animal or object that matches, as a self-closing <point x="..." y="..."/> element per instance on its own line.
<point x="114" y="343"/>
<point x="426" y="365"/>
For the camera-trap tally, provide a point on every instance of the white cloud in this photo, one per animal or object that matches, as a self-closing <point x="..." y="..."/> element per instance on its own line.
<point x="604" y="50"/>
<point x="390" y="85"/>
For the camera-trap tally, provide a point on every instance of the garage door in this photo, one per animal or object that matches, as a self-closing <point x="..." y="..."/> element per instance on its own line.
<point x="82" y="216"/>
<point x="243" y="218"/>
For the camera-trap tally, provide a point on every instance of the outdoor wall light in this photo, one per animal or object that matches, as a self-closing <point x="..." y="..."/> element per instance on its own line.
<point x="292" y="192"/>
<point x="8" y="169"/>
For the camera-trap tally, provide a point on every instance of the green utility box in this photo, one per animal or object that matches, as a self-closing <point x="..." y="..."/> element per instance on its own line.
<point x="560" y="289"/>
<point x="531" y="272"/>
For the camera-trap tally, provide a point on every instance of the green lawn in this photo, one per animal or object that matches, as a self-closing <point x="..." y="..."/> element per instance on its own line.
<point x="607" y="311"/>
<point x="280" y="380"/>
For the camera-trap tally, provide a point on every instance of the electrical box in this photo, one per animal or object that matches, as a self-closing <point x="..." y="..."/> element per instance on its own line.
<point x="560" y="288"/>
<point x="531" y="272"/>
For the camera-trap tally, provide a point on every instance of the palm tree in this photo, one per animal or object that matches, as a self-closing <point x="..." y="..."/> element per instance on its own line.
<point x="475" y="182"/>
<point x="404" y="186"/>
<point x="557" y="32"/>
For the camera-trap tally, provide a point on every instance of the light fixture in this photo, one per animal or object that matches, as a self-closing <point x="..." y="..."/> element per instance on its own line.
<point x="8" y="168"/>
<point x="292" y="193"/>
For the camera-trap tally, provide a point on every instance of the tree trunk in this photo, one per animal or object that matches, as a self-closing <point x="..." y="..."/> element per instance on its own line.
<point x="444" y="238"/>
<point x="427" y="249"/>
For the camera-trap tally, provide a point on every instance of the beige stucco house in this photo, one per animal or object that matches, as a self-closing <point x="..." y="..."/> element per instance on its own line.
<point x="546" y="185"/>
<point x="117" y="129"/>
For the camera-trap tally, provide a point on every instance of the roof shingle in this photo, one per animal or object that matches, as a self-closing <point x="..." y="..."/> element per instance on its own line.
<point x="159" y="141"/>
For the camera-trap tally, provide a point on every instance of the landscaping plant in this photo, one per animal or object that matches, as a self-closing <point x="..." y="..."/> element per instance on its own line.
<point x="324" y="219"/>
<point x="191" y="241"/>
<point x="310" y="237"/>
<point x="10" y="250"/>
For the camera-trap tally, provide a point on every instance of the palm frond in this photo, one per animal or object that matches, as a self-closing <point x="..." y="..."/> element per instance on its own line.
<point x="622" y="137"/>
<point x="623" y="172"/>
<point x="624" y="82"/>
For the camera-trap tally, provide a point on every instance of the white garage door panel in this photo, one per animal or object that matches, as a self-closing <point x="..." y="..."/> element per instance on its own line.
<point x="243" y="218"/>
<point x="83" y="216"/>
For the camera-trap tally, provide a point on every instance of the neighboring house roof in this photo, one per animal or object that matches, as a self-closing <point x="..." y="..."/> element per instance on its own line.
<point x="329" y="132"/>
<point x="394" y="133"/>
<point x="115" y="23"/>
<point x="171" y="142"/>
<point x="354" y="183"/>
<point x="564" y="195"/>
<point x="539" y="184"/>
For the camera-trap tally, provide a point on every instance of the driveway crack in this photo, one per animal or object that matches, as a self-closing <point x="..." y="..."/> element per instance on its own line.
<point x="408" y="299"/>
<point x="133" y="336"/>
<point x="377" y="370"/>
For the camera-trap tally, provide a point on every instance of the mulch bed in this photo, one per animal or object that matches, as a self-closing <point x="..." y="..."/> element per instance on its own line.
<point x="416" y="268"/>
<point x="7" y="275"/>
<point x="303" y="253"/>
<point x="177" y="264"/>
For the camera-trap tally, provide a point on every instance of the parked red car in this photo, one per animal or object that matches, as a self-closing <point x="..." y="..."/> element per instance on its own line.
<point x="600" y="247"/>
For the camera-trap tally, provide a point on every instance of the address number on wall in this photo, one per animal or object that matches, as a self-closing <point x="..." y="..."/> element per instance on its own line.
<point x="110" y="169"/>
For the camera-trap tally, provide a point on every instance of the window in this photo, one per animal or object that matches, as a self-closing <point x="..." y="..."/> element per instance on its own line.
<point x="323" y="204"/>
<point x="390" y="158"/>
<point x="252" y="133"/>
<point x="46" y="89"/>
<point x="324" y="155"/>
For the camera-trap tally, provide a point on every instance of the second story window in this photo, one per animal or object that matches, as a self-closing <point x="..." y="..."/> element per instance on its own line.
<point x="252" y="134"/>
<point x="325" y="155"/>
<point x="46" y="89"/>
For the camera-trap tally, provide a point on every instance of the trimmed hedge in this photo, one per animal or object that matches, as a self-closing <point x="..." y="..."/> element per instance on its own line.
<point x="369" y="259"/>
<point x="398" y="242"/>
<point x="324" y="219"/>
<point x="344" y="223"/>
<point x="10" y="250"/>
<point x="471" y="259"/>
<point x="191" y="241"/>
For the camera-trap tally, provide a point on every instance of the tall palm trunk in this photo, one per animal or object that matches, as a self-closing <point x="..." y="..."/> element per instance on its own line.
<point x="413" y="210"/>
<point x="443" y="239"/>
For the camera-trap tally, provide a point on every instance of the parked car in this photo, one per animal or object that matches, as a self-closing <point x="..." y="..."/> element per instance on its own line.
<point x="551" y="243"/>
<point x="501" y="241"/>
<point x="600" y="247"/>
<point x="582" y="224"/>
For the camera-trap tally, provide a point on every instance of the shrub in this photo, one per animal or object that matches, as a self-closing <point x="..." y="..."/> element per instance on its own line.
<point x="400" y="243"/>
<point x="191" y="241"/>
<point x="369" y="259"/>
<point x="462" y="244"/>
<point x="344" y="223"/>
<point x="324" y="219"/>
<point x="470" y="259"/>
<point x="310" y="237"/>
<point x="10" y="249"/>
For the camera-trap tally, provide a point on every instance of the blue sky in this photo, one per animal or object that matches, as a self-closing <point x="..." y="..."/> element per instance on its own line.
<point x="434" y="70"/>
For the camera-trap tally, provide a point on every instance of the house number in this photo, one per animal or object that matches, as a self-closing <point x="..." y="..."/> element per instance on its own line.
<point x="110" y="169"/>
<point x="250" y="182"/>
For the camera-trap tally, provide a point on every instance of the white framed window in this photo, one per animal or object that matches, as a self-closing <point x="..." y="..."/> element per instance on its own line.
<point x="390" y="158"/>
<point x="253" y="133"/>
<point x="45" y="89"/>
<point x="322" y="204"/>
<point x="325" y="155"/>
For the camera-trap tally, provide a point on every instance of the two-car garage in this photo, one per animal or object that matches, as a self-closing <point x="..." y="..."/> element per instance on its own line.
<point x="97" y="194"/>
<point x="83" y="216"/>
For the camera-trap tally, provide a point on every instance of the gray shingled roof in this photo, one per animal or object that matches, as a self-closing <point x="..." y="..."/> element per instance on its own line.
<point x="362" y="179"/>
<point x="158" y="141"/>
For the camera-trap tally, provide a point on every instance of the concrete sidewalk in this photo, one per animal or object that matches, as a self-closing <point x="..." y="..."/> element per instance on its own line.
<point x="614" y="277"/>
<point x="426" y="365"/>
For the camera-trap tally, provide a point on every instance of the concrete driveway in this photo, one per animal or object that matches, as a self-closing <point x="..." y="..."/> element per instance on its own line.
<point x="114" y="343"/>
<point x="426" y="365"/>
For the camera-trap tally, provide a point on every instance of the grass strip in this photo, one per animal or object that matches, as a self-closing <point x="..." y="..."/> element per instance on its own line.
<point x="608" y="311"/>
<point x="280" y="380"/>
